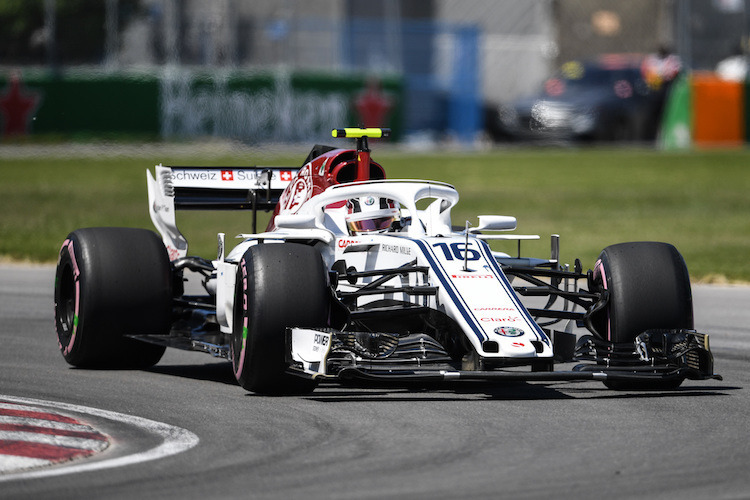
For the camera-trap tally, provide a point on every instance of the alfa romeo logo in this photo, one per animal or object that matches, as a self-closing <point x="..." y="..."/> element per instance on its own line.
<point x="509" y="331"/>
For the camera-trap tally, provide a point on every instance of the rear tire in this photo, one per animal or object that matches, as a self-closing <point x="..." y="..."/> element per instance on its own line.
<point x="279" y="285"/>
<point x="111" y="282"/>
<point x="649" y="288"/>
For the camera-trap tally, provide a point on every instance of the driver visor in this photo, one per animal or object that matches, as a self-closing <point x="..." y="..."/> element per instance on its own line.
<point x="368" y="225"/>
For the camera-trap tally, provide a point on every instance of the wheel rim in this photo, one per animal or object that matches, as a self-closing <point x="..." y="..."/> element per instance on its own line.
<point x="66" y="305"/>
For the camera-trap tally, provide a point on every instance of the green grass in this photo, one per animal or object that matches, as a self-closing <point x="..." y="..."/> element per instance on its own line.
<point x="699" y="200"/>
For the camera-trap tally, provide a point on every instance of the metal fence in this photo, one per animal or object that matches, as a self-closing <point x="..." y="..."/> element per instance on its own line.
<point x="453" y="55"/>
<point x="701" y="32"/>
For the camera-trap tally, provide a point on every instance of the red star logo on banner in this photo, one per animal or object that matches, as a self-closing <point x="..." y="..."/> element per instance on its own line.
<point x="16" y="107"/>
<point x="373" y="105"/>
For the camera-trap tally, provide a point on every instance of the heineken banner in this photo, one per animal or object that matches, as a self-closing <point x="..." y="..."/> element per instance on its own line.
<point x="179" y="104"/>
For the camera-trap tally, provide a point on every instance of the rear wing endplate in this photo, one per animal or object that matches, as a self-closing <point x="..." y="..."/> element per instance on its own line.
<point x="210" y="188"/>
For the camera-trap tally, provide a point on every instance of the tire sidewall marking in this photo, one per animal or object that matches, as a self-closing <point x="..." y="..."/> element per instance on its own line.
<point x="600" y="271"/>
<point x="238" y="359"/>
<point x="68" y="247"/>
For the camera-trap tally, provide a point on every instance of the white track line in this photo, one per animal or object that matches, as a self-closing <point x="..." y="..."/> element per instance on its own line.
<point x="65" y="441"/>
<point x="46" y="424"/>
<point x="12" y="462"/>
<point x="175" y="440"/>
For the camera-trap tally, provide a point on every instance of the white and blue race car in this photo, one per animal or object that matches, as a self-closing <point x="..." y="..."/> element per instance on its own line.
<point x="358" y="277"/>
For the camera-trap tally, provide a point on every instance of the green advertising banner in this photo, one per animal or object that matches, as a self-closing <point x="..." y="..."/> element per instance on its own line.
<point x="79" y="104"/>
<point x="181" y="104"/>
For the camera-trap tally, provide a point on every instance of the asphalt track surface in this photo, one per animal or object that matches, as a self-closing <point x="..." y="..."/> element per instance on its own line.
<point x="512" y="440"/>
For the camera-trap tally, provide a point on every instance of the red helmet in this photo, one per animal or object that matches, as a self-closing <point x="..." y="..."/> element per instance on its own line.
<point x="368" y="214"/>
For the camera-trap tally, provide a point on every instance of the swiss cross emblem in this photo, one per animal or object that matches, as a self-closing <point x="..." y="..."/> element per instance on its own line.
<point x="227" y="175"/>
<point x="286" y="175"/>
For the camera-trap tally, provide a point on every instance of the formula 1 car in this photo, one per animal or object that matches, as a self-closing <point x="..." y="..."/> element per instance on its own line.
<point x="361" y="278"/>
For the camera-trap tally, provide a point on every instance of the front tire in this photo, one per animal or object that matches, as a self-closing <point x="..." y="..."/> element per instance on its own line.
<point x="278" y="285"/>
<point x="111" y="282"/>
<point x="649" y="288"/>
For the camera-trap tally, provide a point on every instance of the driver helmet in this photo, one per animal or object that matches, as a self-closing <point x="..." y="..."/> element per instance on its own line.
<point x="368" y="215"/>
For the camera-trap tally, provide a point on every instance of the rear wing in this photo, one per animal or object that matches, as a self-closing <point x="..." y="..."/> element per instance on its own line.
<point x="225" y="188"/>
<point x="210" y="188"/>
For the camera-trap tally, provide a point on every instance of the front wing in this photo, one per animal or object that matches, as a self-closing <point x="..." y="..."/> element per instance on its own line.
<point x="662" y="356"/>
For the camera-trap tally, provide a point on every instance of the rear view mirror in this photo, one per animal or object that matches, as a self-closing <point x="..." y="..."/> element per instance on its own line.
<point x="495" y="223"/>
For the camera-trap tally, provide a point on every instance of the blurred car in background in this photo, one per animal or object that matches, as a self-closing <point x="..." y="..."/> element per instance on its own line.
<point x="609" y="99"/>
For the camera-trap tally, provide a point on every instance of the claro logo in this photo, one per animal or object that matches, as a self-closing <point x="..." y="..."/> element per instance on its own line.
<point x="499" y="319"/>
<point x="346" y="243"/>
